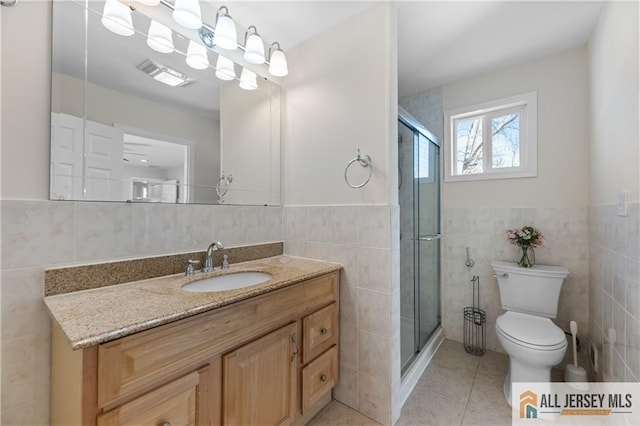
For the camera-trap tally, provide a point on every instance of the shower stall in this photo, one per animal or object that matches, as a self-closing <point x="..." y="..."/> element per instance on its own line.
<point x="419" y="200"/>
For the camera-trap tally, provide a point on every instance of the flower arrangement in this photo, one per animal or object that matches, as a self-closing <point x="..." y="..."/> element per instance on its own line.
<point x="527" y="238"/>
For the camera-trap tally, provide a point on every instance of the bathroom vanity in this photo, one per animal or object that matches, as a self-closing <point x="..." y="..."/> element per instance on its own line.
<point x="263" y="355"/>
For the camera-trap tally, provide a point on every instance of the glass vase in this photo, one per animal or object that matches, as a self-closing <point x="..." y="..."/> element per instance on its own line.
<point x="527" y="259"/>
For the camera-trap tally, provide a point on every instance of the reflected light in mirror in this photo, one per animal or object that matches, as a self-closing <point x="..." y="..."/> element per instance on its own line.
<point x="160" y="38"/>
<point x="197" y="56"/>
<point x="116" y="17"/>
<point x="187" y="13"/>
<point x="224" y="34"/>
<point x="224" y="69"/>
<point x="253" y="46"/>
<point x="248" y="80"/>
<point x="278" y="62"/>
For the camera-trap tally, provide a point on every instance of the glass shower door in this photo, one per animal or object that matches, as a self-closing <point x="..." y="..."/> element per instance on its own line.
<point x="419" y="199"/>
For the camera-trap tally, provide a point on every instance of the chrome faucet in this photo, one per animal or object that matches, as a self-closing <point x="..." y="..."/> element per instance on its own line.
<point x="208" y="263"/>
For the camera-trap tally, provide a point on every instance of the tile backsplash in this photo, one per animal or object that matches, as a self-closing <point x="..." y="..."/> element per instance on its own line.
<point x="614" y="291"/>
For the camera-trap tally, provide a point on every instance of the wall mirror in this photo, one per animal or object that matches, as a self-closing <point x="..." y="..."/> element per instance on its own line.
<point x="139" y="124"/>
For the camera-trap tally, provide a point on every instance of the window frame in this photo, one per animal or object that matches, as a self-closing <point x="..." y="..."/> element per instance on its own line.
<point x="527" y="104"/>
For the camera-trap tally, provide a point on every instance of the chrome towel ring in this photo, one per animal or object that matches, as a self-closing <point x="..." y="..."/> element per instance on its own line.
<point x="364" y="161"/>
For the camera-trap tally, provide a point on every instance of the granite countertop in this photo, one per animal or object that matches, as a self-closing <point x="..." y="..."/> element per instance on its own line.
<point x="99" y="315"/>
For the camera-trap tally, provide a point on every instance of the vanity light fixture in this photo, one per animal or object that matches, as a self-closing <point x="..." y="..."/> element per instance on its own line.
<point x="224" y="34"/>
<point x="197" y="56"/>
<point x="248" y="80"/>
<point x="187" y="13"/>
<point x="225" y="68"/>
<point x="253" y="46"/>
<point x="164" y="74"/>
<point x="277" y="61"/>
<point x="160" y="37"/>
<point x="116" y="17"/>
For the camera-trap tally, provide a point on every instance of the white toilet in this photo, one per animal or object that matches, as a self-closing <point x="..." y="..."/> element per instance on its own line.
<point x="532" y="341"/>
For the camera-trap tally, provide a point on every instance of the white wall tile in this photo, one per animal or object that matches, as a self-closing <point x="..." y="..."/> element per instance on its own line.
<point x="374" y="312"/>
<point x="154" y="229"/>
<point x="344" y="225"/>
<point x="195" y="227"/>
<point x="319" y="224"/>
<point x="374" y="226"/>
<point x="23" y="311"/>
<point x="374" y="268"/>
<point x="37" y="233"/>
<point x="374" y="398"/>
<point x="374" y="355"/>
<point x="103" y="230"/>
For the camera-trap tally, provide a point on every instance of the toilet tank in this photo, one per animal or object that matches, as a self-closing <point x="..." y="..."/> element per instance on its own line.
<point x="534" y="290"/>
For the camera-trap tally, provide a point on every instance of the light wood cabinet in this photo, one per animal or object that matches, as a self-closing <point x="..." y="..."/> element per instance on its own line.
<point x="267" y="360"/>
<point x="259" y="380"/>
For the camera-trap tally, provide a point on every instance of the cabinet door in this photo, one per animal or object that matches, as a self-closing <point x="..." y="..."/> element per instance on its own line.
<point x="176" y="404"/>
<point x="259" y="380"/>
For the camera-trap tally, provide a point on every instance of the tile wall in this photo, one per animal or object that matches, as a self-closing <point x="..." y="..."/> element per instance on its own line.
<point x="614" y="291"/>
<point x="361" y="238"/>
<point x="483" y="231"/>
<point x="37" y="235"/>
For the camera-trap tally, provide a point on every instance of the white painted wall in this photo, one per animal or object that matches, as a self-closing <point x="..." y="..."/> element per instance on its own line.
<point x="613" y="63"/>
<point x="562" y="181"/>
<point x="26" y="91"/>
<point x="340" y="95"/>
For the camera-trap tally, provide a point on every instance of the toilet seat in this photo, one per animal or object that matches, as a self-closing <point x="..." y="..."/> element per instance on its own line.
<point x="529" y="331"/>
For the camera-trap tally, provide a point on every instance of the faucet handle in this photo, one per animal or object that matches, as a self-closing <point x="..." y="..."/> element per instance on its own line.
<point x="191" y="266"/>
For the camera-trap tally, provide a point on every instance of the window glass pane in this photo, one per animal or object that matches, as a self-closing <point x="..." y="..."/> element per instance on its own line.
<point x="505" y="141"/>
<point x="422" y="157"/>
<point x="468" y="146"/>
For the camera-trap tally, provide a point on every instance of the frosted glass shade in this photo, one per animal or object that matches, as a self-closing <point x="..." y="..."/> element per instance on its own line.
<point x="225" y="35"/>
<point x="149" y="2"/>
<point x="224" y="68"/>
<point x="248" y="80"/>
<point x="197" y="56"/>
<point x="187" y="13"/>
<point x="254" y="49"/>
<point x="160" y="38"/>
<point x="278" y="64"/>
<point x="116" y="17"/>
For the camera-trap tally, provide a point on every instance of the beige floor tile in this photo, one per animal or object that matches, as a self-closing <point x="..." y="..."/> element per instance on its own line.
<point x="456" y="388"/>
<point x="338" y="414"/>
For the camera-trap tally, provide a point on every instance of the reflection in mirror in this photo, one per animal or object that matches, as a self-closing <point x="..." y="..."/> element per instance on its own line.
<point x="133" y="120"/>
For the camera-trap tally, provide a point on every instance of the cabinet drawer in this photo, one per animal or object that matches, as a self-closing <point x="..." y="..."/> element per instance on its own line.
<point x="319" y="377"/>
<point x="174" y="403"/>
<point x="320" y="332"/>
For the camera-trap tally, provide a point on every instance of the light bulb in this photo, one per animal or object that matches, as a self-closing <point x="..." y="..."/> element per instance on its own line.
<point x="224" y="68"/>
<point x="224" y="34"/>
<point x="253" y="47"/>
<point x="116" y="17"/>
<point x="160" y="38"/>
<point x="187" y="13"/>
<point x="248" y="80"/>
<point x="278" y="63"/>
<point x="197" y="56"/>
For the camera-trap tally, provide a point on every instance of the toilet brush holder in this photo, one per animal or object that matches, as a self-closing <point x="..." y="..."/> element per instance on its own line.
<point x="574" y="375"/>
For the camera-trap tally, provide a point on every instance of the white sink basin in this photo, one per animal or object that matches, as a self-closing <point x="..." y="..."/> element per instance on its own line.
<point x="231" y="281"/>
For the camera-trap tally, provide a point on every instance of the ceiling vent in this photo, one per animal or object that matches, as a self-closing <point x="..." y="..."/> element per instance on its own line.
<point x="164" y="74"/>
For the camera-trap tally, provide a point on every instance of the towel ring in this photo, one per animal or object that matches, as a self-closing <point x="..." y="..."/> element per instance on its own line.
<point x="364" y="161"/>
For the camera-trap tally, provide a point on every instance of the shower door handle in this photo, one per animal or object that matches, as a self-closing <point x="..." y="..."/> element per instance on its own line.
<point x="428" y="237"/>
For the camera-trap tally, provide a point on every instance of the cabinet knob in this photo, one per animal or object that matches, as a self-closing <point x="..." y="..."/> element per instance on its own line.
<point x="324" y="331"/>
<point x="166" y="424"/>
<point x="323" y="378"/>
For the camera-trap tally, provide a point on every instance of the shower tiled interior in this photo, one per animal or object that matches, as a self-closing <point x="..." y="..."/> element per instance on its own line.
<point x="455" y="389"/>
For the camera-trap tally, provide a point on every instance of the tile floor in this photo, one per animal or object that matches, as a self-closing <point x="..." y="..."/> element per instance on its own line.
<point x="456" y="389"/>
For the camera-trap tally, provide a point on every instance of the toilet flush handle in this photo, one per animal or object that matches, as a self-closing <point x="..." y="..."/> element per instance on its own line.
<point x="501" y="275"/>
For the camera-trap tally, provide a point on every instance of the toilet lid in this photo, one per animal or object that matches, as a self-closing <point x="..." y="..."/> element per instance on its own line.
<point x="531" y="330"/>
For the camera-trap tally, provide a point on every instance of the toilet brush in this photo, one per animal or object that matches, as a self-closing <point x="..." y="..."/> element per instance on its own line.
<point x="575" y="375"/>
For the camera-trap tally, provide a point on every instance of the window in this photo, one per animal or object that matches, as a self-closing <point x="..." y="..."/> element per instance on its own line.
<point x="494" y="140"/>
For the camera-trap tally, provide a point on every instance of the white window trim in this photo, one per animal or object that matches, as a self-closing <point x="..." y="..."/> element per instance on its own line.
<point x="529" y="132"/>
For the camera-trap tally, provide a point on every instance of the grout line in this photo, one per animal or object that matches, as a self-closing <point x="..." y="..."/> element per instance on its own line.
<point x="473" y="383"/>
